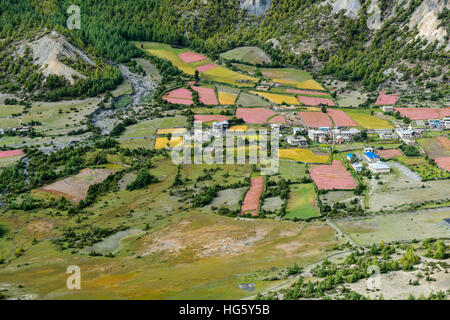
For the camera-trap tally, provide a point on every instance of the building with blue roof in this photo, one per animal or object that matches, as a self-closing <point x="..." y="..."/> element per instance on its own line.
<point x="371" y="157"/>
<point x="350" y="156"/>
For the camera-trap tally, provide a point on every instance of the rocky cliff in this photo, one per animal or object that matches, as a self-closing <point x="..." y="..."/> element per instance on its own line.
<point x="256" y="7"/>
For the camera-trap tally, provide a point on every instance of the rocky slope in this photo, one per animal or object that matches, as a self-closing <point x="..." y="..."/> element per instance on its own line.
<point x="256" y="7"/>
<point x="48" y="51"/>
<point x="351" y="7"/>
<point x="425" y="18"/>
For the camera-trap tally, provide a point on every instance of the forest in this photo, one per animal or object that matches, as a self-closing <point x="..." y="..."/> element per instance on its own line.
<point x="340" y="46"/>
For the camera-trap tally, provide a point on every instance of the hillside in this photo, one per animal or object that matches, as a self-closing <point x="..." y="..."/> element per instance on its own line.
<point x="402" y="44"/>
<point x="225" y="149"/>
<point x="49" y="52"/>
<point x="399" y="43"/>
<point x="52" y="68"/>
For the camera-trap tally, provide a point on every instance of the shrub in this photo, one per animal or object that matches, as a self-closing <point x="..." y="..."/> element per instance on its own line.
<point x="143" y="179"/>
<point x="410" y="151"/>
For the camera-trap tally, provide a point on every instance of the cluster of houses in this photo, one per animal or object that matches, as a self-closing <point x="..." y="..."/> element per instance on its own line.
<point x="388" y="135"/>
<point x="333" y="136"/>
<point x="20" y="130"/>
<point x="341" y="135"/>
<point x="410" y="134"/>
<point x="435" y="124"/>
<point x="373" y="160"/>
<point x="296" y="137"/>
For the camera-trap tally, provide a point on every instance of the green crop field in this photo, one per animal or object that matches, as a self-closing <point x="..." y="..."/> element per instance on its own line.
<point x="148" y="128"/>
<point x="249" y="100"/>
<point x="288" y="74"/>
<point x="302" y="202"/>
<point x="253" y="55"/>
<point x="293" y="171"/>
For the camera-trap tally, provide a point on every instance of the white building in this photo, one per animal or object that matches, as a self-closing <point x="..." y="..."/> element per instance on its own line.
<point x="408" y="135"/>
<point x="297" y="141"/>
<point x="221" y="126"/>
<point x="346" y="135"/>
<point x="387" y="108"/>
<point x="297" y="130"/>
<point x="379" y="167"/>
<point x="446" y="122"/>
<point x="420" y="123"/>
<point x="372" y="157"/>
<point x="388" y="136"/>
<point x="318" y="135"/>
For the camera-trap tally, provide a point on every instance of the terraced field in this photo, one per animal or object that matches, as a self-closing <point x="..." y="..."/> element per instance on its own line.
<point x="252" y="55"/>
<point x="188" y="62"/>
<point x="277" y="98"/>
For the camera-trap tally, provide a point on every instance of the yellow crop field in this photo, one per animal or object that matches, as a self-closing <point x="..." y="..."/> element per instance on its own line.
<point x="370" y="122"/>
<point x="252" y="137"/>
<point x="227" y="98"/>
<point x="171" y="131"/>
<point x="302" y="155"/>
<point x="221" y="74"/>
<point x="312" y="109"/>
<point x="161" y="143"/>
<point x="277" y="98"/>
<point x="175" y="141"/>
<point x="287" y="82"/>
<point x="174" y="59"/>
<point x="238" y="128"/>
<point x="310" y="84"/>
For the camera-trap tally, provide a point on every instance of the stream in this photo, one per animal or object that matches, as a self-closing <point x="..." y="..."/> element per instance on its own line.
<point x="142" y="86"/>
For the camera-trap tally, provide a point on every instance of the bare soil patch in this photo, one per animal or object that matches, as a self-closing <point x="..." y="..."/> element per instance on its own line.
<point x="75" y="188"/>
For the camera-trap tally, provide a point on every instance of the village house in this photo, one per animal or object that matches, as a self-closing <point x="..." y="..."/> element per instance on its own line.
<point x="371" y="157"/>
<point x="409" y="135"/>
<point x="263" y="88"/>
<point x="350" y="157"/>
<point x="388" y="136"/>
<point x="318" y="135"/>
<point x="387" y="108"/>
<point x="297" y="130"/>
<point x="446" y="122"/>
<point x="341" y="136"/>
<point x="275" y="126"/>
<point x="220" y="126"/>
<point x="368" y="149"/>
<point x="420" y="123"/>
<point x="435" y="123"/>
<point x="358" y="167"/>
<point x="297" y="141"/>
<point x="379" y="167"/>
<point x="339" y="140"/>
